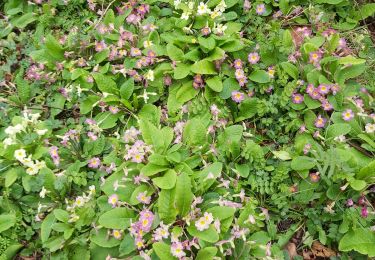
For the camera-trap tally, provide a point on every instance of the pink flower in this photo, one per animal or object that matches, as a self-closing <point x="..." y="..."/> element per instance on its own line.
<point x="323" y="89"/>
<point x="364" y="212"/>
<point x="237" y="96"/>
<point x="349" y="203"/>
<point x="306" y="148"/>
<point x="237" y="64"/>
<point x="100" y="46"/>
<point x="253" y="57"/>
<point x="146" y="219"/>
<point x="177" y="250"/>
<point x="347" y="115"/>
<point x="113" y="200"/>
<point x="94" y="163"/>
<point x="320" y="121"/>
<point x="327" y="106"/>
<point x="315" y="94"/>
<point x="261" y="9"/>
<point x="297" y="98"/>
<point x="113" y="109"/>
<point x="92" y="136"/>
<point x="53" y="151"/>
<point x="143" y="198"/>
<point x="335" y="88"/>
<point x="314" y="57"/>
<point x="314" y="176"/>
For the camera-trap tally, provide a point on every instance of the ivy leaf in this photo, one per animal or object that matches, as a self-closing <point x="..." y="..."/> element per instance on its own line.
<point x="259" y="76"/>
<point x="184" y="196"/>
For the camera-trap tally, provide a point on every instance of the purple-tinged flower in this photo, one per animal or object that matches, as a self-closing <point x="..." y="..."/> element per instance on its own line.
<point x="242" y="81"/>
<point x="310" y="88"/>
<point x="177" y="250"/>
<point x="364" y="212"/>
<point x="167" y="80"/>
<point x="198" y="81"/>
<point x="113" y="109"/>
<point x="271" y="71"/>
<point x="139" y="242"/>
<point x="205" y="31"/>
<point x="320" y="121"/>
<point x="94" y="163"/>
<point x="323" y="89"/>
<point x="246" y="5"/>
<point x="117" y="234"/>
<point x="327" y="106"/>
<point x="134" y="52"/>
<point x="335" y="88"/>
<point x="133" y="19"/>
<point x="237" y="96"/>
<point x="306" y="149"/>
<point x="53" y="151"/>
<point x="342" y="43"/>
<point x="90" y="121"/>
<point x="347" y="115"/>
<point x="100" y="46"/>
<point x="297" y="98"/>
<point x="314" y="176"/>
<point x="260" y="9"/>
<point x="302" y="129"/>
<point x="214" y="110"/>
<point x="238" y="64"/>
<point x="315" y="94"/>
<point x="92" y="136"/>
<point x="361" y="200"/>
<point x="146" y="219"/>
<point x="314" y="57"/>
<point x="328" y="32"/>
<point x="253" y="57"/>
<point x="349" y="203"/>
<point x="113" y="200"/>
<point x="143" y="198"/>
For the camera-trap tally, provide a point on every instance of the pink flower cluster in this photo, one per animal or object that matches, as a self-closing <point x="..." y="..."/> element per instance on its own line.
<point x="54" y="153"/>
<point x="137" y="151"/>
<point x="143" y="225"/>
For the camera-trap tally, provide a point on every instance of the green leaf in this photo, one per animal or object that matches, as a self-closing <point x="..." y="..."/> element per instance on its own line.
<point x="163" y="251"/>
<point x="166" y="206"/>
<point x="209" y="235"/>
<point x="101" y="239"/>
<point x="7" y="221"/>
<point x="105" y="83"/>
<point x="367" y="172"/>
<point x="259" y="76"/>
<point x="54" y="48"/>
<point x="61" y="215"/>
<point x="167" y="181"/>
<point x="117" y="218"/>
<point x="360" y="240"/>
<point x="24" y="20"/>
<point x="174" y="52"/>
<point x="88" y="104"/>
<point x="350" y="60"/>
<point x="195" y="132"/>
<point x="215" y="83"/>
<point x="11" y="175"/>
<point x="282" y="155"/>
<point x="337" y="130"/>
<point x="127" y="88"/>
<point x="184" y="196"/>
<point x="291" y="69"/>
<point x="248" y="109"/>
<point x="301" y="163"/>
<point x="358" y="185"/>
<point x="46" y="227"/>
<point x="127" y="245"/>
<point x="229" y="85"/>
<point x="186" y="92"/>
<point x="222" y="212"/>
<point x="232" y="45"/>
<point x="181" y="71"/>
<point x="206" y="253"/>
<point x="208" y="43"/>
<point x="203" y="67"/>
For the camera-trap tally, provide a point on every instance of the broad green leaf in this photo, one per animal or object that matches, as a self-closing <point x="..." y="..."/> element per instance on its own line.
<point x="301" y="163"/>
<point x="105" y="83"/>
<point x="350" y="60"/>
<point x="206" y="253"/>
<point x="127" y="245"/>
<point x="166" y="206"/>
<point x="215" y="84"/>
<point x="101" y="238"/>
<point x="45" y="229"/>
<point x="195" y="132"/>
<point x="127" y="88"/>
<point x="181" y="71"/>
<point x="337" y="130"/>
<point x="186" y="92"/>
<point x="7" y="221"/>
<point x="209" y="235"/>
<point x="259" y="76"/>
<point x="291" y="69"/>
<point x="184" y="195"/>
<point x="167" y="181"/>
<point x="24" y="20"/>
<point x="117" y="218"/>
<point x="203" y="67"/>
<point x="163" y="251"/>
<point x="208" y="43"/>
<point x="61" y="215"/>
<point x="361" y="240"/>
<point x="174" y="52"/>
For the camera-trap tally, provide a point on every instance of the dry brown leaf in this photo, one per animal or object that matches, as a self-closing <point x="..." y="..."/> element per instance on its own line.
<point x="292" y="250"/>
<point x="322" y="251"/>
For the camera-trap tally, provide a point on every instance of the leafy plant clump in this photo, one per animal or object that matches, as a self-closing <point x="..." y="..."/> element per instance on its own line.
<point x="184" y="129"/>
